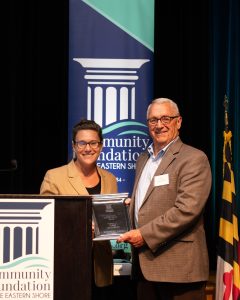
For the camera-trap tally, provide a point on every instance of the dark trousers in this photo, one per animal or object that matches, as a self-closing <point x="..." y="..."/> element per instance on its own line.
<point x="101" y="293"/>
<point x="148" y="290"/>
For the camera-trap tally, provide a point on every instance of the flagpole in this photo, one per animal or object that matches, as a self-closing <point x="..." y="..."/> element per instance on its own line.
<point x="228" y="271"/>
<point x="225" y="104"/>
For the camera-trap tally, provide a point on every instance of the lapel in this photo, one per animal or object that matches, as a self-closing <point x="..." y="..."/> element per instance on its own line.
<point x="167" y="159"/>
<point x="104" y="182"/>
<point x="74" y="179"/>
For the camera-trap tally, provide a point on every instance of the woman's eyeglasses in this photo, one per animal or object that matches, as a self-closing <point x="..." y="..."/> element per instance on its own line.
<point x="82" y="144"/>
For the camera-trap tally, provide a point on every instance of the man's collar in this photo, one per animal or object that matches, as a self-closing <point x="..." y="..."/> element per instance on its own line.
<point x="163" y="150"/>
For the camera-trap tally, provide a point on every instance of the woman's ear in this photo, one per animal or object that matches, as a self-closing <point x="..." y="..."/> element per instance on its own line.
<point x="74" y="156"/>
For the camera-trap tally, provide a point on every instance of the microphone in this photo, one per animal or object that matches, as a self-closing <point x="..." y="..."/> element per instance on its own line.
<point x="13" y="167"/>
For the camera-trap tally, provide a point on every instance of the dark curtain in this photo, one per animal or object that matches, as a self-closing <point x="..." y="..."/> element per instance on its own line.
<point x="181" y="65"/>
<point x="195" y="50"/>
<point x="34" y="107"/>
<point x="182" y="74"/>
<point x="224" y="80"/>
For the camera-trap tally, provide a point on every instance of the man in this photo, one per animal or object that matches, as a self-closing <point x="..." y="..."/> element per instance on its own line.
<point x="172" y="185"/>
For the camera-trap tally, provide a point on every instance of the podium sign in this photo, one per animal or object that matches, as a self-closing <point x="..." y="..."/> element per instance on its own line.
<point x="27" y="248"/>
<point x="45" y="247"/>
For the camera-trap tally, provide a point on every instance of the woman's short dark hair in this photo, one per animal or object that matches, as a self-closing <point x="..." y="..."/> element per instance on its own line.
<point x="85" y="124"/>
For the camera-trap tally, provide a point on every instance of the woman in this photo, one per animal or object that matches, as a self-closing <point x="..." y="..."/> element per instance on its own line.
<point x="81" y="176"/>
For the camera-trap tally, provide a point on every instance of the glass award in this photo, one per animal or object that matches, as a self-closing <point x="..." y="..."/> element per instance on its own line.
<point x="110" y="216"/>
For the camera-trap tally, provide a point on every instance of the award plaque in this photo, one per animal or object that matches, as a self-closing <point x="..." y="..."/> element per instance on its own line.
<point x="110" y="216"/>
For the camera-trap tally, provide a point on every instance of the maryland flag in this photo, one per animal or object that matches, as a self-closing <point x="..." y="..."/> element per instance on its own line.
<point x="228" y="277"/>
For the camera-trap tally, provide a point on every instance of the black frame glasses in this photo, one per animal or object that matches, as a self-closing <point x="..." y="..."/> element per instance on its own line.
<point x="165" y="120"/>
<point x="82" y="144"/>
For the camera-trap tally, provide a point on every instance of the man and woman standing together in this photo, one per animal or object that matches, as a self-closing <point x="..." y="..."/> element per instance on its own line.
<point x="172" y="185"/>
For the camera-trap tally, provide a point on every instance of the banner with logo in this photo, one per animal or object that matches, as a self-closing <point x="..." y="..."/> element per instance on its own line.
<point x="111" y="77"/>
<point x="26" y="249"/>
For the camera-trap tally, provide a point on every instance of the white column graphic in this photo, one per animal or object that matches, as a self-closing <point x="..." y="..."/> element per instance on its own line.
<point x="111" y="88"/>
<point x="124" y="103"/>
<point x="111" y="105"/>
<point x="19" y="230"/>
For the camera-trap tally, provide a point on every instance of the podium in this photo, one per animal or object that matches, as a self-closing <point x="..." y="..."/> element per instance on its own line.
<point x="26" y="235"/>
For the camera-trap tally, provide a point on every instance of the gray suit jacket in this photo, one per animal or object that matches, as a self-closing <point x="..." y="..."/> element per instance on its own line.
<point x="171" y="216"/>
<point x="65" y="180"/>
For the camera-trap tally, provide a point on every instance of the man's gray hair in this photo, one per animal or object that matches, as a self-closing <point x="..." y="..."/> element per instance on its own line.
<point x="164" y="100"/>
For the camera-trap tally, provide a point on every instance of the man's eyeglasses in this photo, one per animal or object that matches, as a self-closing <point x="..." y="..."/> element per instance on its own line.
<point x="82" y="144"/>
<point x="165" y="120"/>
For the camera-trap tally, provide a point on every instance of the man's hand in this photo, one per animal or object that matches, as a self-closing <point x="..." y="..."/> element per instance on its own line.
<point x="134" y="237"/>
<point x="127" y="201"/>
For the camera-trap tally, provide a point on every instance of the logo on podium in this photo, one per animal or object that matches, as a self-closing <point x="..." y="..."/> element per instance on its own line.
<point x="26" y="248"/>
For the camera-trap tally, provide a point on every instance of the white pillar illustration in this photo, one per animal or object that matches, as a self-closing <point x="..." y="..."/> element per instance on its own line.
<point x="111" y="88"/>
<point x="19" y="229"/>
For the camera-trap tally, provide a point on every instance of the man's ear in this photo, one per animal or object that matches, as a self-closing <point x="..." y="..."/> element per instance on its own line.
<point x="179" y="122"/>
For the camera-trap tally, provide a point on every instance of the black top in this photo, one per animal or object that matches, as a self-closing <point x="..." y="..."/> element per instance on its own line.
<point x="95" y="189"/>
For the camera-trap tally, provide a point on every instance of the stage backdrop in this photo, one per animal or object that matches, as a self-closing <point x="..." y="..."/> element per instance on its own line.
<point x="111" y="77"/>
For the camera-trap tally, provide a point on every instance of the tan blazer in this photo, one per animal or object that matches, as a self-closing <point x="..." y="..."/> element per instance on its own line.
<point x="171" y="216"/>
<point x="65" y="180"/>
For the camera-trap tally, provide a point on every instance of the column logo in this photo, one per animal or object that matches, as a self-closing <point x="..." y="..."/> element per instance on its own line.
<point x="26" y="248"/>
<point x="111" y="89"/>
